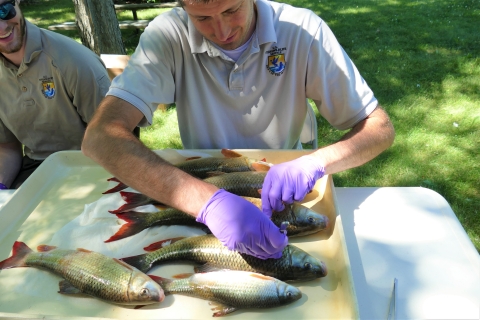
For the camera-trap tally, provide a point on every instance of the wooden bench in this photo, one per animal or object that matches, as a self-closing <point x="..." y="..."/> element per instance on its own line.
<point x="125" y="24"/>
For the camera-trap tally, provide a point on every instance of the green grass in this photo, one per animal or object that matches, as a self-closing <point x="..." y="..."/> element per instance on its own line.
<point x="422" y="60"/>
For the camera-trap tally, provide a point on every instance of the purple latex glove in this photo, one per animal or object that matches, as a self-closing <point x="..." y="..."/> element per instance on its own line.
<point x="289" y="181"/>
<point x="241" y="226"/>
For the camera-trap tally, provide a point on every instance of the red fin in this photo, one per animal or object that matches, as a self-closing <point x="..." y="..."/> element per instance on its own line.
<point x="260" y="166"/>
<point x="230" y="153"/>
<point x="133" y="200"/>
<point x="120" y="186"/>
<point x="259" y="191"/>
<point x="260" y="276"/>
<point x="183" y="275"/>
<point x="19" y="253"/>
<point x="45" y="248"/>
<point x="133" y="226"/>
<point x="84" y="250"/>
<point x="193" y="158"/>
<point x="160" y="244"/>
<point x="264" y="160"/>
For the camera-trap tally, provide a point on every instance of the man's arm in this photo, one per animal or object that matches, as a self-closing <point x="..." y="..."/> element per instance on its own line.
<point x="110" y="142"/>
<point x="291" y="181"/>
<point x="366" y="140"/>
<point x="237" y="223"/>
<point x="10" y="161"/>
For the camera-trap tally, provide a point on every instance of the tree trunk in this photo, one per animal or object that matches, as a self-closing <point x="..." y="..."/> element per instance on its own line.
<point x="98" y="25"/>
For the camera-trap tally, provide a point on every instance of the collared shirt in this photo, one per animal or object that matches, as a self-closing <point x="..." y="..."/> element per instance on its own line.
<point x="47" y="101"/>
<point x="259" y="101"/>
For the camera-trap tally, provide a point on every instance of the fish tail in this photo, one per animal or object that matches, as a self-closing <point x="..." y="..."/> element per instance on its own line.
<point x="20" y="251"/>
<point x="133" y="200"/>
<point x="120" y="186"/>
<point x="135" y="224"/>
<point x="138" y="262"/>
<point x="163" y="282"/>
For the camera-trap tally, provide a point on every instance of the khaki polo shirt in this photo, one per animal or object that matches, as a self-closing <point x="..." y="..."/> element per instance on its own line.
<point x="47" y="101"/>
<point x="259" y="101"/>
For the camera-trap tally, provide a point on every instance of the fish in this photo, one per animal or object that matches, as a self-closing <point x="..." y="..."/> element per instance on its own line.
<point x="295" y="264"/>
<point x="231" y="290"/>
<point x="202" y="167"/>
<point x="88" y="272"/>
<point x="301" y="220"/>
<point x="246" y="184"/>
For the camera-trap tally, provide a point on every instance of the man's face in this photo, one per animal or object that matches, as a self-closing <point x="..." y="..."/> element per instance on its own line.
<point x="12" y="32"/>
<point x="227" y="23"/>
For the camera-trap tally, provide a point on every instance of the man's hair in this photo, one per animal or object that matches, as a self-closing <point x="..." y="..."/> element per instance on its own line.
<point x="181" y="3"/>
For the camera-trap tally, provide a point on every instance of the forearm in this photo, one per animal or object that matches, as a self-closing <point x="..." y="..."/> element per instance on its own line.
<point x="10" y="161"/>
<point x="109" y="141"/>
<point x="364" y="142"/>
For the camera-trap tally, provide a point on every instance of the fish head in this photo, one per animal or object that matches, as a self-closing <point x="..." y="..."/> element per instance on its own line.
<point x="287" y="293"/>
<point x="305" y="221"/>
<point x="144" y="290"/>
<point x="305" y="266"/>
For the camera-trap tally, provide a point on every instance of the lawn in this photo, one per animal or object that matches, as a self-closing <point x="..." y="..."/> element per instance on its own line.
<point x="422" y="60"/>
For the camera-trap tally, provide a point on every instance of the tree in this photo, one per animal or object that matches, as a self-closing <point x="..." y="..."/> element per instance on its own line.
<point x="98" y="25"/>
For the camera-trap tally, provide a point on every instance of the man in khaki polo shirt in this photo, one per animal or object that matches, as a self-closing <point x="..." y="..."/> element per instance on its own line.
<point x="240" y="72"/>
<point x="51" y="86"/>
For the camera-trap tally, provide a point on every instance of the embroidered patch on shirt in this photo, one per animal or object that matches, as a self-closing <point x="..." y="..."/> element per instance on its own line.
<point x="276" y="61"/>
<point x="48" y="87"/>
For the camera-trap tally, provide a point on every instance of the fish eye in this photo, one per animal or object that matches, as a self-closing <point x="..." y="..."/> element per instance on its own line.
<point x="289" y="294"/>
<point x="308" y="265"/>
<point x="144" y="292"/>
<point x="310" y="219"/>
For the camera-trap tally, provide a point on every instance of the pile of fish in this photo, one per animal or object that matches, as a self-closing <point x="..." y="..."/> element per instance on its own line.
<point x="229" y="279"/>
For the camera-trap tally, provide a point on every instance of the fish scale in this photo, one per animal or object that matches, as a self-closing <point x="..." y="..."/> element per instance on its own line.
<point x="83" y="269"/>
<point x="295" y="264"/>
<point x="233" y="290"/>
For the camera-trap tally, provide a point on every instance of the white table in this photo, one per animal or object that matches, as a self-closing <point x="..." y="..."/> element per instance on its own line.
<point x="413" y="235"/>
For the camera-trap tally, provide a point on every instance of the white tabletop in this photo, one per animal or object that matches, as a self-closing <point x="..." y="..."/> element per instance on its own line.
<point x="413" y="235"/>
<point x="410" y="234"/>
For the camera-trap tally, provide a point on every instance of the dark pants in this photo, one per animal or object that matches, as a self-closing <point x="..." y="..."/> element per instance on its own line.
<point x="28" y="166"/>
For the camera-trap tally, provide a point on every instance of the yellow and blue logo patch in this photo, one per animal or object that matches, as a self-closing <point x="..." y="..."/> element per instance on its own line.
<point x="276" y="61"/>
<point x="48" y="88"/>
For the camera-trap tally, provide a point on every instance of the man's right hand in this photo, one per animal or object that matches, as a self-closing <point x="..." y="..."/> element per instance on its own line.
<point x="241" y="226"/>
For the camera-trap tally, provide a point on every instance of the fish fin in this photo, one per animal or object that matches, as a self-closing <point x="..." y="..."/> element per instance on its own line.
<point x="160" y="244"/>
<point x="206" y="268"/>
<point x="259" y="191"/>
<point x="123" y="263"/>
<point x="230" y="153"/>
<point x="193" y="158"/>
<point x="84" y="250"/>
<point x="138" y="307"/>
<point x="183" y="275"/>
<point x="214" y="173"/>
<point x="65" y="287"/>
<point x="120" y="186"/>
<point x="45" y="248"/>
<point x="264" y="160"/>
<point x="161" y="206"/>
<point x="163" y="282"/>
<point x="260" y="166"/>
<point x="260" y="276"/>
<point x="133" y="226"/>
<point x="133" y="200"/>
<point x="138" y="262"/>
<point x="20" y="251"/>
<point x="221" y="309"/>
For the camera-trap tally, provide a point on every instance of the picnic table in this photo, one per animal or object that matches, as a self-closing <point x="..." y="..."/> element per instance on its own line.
<point x="123" y="24"/>
<point x="142" y="6"/>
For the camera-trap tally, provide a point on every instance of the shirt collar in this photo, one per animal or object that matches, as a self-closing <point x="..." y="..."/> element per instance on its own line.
<point x="265" y="31"/>
<point x="33" y="42"/>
